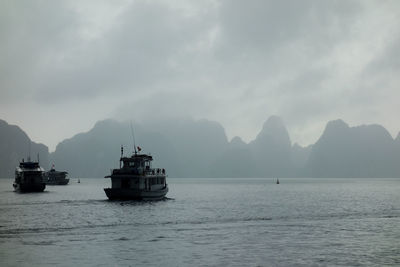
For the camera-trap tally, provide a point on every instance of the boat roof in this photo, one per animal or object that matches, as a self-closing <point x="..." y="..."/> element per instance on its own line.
<point x="29" y="165"/>
<point x="137" y="157"/>
<point x="54" y="171"/>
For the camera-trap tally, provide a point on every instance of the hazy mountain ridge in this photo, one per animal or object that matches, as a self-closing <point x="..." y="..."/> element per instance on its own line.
<point x="196" y="144"/>
<point x="272" y="150"/>
<point x="189" y="148"/>
<point x="361" y="151"/>
<point x="14" y="146"/>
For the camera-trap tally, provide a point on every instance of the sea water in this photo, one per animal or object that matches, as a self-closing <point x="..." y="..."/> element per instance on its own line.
<point x="205" y="222"/>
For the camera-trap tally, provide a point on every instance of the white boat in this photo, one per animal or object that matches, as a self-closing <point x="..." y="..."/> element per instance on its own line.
<point x="29" y="177"/>
<point x="136" y="179"/>
<point x="54" y="177"/>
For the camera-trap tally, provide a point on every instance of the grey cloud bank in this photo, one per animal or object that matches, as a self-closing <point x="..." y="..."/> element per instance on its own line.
<point x="71" y="64"/>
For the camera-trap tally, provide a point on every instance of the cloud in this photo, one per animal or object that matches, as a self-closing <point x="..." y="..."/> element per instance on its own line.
<point x="144" y="48"/>
<point x="236" y="62"/>
<point x="32" y="34"/>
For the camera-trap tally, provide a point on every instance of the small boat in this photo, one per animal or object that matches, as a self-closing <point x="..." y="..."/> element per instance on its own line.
<point x="79" y="181"/>
<point x="136" y="179"/>
<point x="54" y="177"/>
<point x="29" y="177"/>
<point x="277" y="181"/>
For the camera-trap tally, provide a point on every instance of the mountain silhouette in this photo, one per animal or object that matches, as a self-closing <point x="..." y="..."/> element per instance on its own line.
<point x="272" y="150"/>
<point x="196" y="144"/>
<point x="300" y="156"/>
<point x="185" y="148"/>
<point x="200" y="148"/>
<point x="14" y="146"/>
<point x="236" y="161"/>
<point x="362" y="151"/>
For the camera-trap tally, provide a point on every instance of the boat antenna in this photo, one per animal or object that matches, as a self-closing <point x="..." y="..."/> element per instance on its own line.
<point x="122" y="153"/>
<point x="133" y="137"/>
<point x="29" y="151"/>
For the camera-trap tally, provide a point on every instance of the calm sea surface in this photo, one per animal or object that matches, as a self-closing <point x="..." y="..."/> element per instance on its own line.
<point x="205" y="222"/>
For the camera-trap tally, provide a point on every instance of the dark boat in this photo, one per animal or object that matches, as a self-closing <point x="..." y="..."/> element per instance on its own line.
<point x="29" y="177"/>
<point x="136" y="179"/>
<point x="54" y="177"/>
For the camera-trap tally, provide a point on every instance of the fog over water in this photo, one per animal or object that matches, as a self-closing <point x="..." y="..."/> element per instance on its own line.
<point x="227" y="96"/>
<point x="66" y="64"/>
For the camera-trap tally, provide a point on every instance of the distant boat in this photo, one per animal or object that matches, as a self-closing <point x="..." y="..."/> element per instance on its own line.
<point x="136" y="179"/>
<point x="79" y="181"/>
<point x="277" y="181"/>
<point x="54" y="177"/>
<point x="29" y="177"/>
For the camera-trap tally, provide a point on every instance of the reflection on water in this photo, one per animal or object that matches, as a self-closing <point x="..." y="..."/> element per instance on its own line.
<point x="235" y="222"/>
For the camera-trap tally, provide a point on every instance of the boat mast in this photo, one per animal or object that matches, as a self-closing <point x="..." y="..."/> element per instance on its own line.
<point x="133" y="137"/>
<point x="29" y="155"/>
<point x="120" y="159"/>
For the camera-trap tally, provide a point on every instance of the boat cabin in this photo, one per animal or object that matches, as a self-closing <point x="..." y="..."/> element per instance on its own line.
<point x="136" y="172"/>
<point x="29" y="177"/>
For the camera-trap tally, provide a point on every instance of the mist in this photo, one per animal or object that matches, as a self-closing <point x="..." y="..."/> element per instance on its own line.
<point x="66" y="65"/>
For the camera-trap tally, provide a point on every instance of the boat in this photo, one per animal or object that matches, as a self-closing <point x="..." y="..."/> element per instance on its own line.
<point x="54" y="177"/>
<point x="277" y="181"/>
<point x="29" y="177"/>
<point x="135" y="179"/>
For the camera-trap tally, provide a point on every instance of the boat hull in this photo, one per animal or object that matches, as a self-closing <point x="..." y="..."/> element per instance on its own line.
<point x="133" y="194"/>
<point x="54" y="177"/>
<point x="26" y="188"/>
<point x="58" y="182"/>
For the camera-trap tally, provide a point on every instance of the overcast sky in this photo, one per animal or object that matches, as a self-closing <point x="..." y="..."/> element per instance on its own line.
<point x="66" y="64"/>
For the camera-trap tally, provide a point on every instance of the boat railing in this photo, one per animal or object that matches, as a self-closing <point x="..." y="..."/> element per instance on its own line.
<point x="156" y="171"/>
<point x="140" y="171"/>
